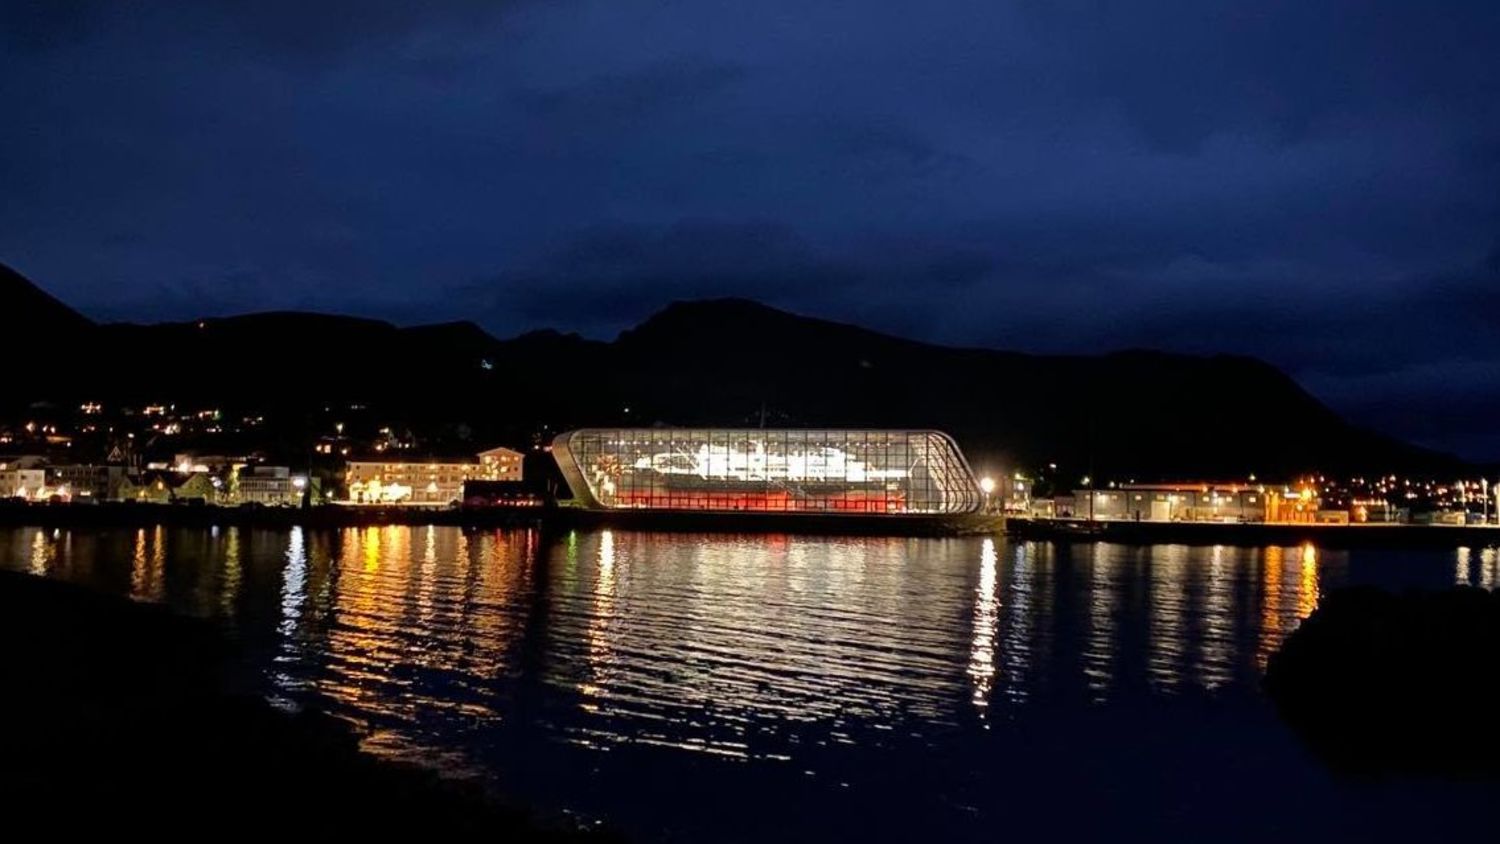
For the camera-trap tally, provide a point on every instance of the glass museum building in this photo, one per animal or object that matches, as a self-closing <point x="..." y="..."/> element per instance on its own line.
<point x="832" y="472"/>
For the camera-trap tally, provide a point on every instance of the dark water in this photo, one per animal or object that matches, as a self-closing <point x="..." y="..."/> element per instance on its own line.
<point x="697" y="687"/>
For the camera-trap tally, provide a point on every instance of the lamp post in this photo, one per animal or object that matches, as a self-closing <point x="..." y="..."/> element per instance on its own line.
<point x="1088" y="483"/>
<point x="987" y="486"/>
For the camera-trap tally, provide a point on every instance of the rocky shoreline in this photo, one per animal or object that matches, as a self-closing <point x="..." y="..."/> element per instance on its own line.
<point x="1380" y="683"/>
<point x="119" y="716"/>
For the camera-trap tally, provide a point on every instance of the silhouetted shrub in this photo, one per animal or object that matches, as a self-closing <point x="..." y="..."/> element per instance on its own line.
<point x="1383" y="683"/>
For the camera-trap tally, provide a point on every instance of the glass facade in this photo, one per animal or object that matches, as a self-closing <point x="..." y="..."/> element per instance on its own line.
<point x="771" y="471"/>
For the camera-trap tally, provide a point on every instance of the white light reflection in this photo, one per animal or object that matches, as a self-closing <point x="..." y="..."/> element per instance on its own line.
<point x="986" y="616"/>
<point x="1099" y="650"/>
<point x="293" y="583"/>
<point x="1167" y="621"/>
<point x="427" y="578"/>
<point x="1216" y="651"/>
<point x="1015" y="653"/>
<point x="293" y="596"/>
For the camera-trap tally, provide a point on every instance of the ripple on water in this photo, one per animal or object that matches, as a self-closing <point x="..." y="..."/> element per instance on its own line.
<point x="749" y="647"/>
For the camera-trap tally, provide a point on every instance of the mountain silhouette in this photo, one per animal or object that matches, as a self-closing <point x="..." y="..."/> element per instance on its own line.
<point x="723" y="362"/>
<point x="33" y="313"/>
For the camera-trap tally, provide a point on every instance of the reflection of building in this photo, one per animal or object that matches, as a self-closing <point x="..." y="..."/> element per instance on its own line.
<point x="757" y="470"/>
<point x="430" y="482"/>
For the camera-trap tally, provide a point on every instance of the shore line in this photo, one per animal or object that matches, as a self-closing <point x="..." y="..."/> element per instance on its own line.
<point x="126" y="514"/>
<point x="1254" y="534"/>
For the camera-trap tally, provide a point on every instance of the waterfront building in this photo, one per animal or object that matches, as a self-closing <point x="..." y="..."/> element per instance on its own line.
<point x="1192" y="502"/>
<point x="187" y="462"/>
<point x="768" y="471"/>
<point x="16" y="482"/>
<point x="500" y="464"/>
<point x="22" y="461"/>
<point x="270" y="486"/>
<point x="86" y="481"/>
<point x="432" y="482"/>
<point x="1015" y="495"/>
<point x="162" y="487"/>
<point x="483" y="493"/>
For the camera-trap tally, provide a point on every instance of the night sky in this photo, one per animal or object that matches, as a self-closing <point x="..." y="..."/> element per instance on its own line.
<point x="1314" y="183"/>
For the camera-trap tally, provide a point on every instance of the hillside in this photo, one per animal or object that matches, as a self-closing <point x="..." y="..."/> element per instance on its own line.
<point x="31" y="312"/>
<point x="1142" y="412"/>
<point x="721" y="362"/>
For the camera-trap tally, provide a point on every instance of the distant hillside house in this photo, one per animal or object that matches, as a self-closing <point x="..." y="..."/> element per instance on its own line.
<point x="432" y="482"/>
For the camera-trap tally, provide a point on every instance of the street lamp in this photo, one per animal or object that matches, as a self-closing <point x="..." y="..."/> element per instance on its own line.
<point x="987" y="486"/>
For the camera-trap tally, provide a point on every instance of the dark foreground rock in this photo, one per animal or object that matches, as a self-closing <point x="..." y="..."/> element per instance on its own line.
<point x="122" y="718"/>
<point x="1381" y="683"/>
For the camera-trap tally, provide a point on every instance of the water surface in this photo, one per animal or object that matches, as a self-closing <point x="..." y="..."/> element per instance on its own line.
<point x="691" y="687"/>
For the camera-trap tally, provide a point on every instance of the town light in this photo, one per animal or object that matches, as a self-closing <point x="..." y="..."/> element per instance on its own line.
<point x="987" y="485"/>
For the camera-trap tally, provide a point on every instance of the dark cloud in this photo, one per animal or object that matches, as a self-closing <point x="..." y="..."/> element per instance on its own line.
<point x="287" y="27"/>
<point x="616" y="98"/>
<point x="1283" y="70"/>
<point x="1316" y="183"/>
<point x="608" y="278"/>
